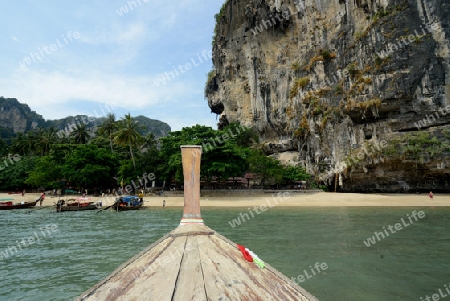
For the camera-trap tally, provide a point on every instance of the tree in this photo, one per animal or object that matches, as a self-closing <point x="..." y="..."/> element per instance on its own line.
<point x="44" y="140"/>
<point x="294" y="173"/>
<point x="13" y="176"/>
<point x="46" y="173"/>
<point x="128" y="134"/>
<point x="270" y="169"/>
<point x="90" y="166"/>
<point x="80" y="134"/>
<point x="108" y="127"/>
<point x="222" y="157"/>
<point x="24" y="144"/>
<point x="3" y="148"/>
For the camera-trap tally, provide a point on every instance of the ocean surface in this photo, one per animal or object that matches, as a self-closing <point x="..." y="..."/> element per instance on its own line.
<point x="57" y="256"/>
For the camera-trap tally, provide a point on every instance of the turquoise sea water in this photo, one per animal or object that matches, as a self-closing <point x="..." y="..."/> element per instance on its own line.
<point x="80" y="248"/>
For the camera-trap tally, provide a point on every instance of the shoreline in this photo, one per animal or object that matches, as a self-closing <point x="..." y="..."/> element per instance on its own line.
<point x="318" y="199"/>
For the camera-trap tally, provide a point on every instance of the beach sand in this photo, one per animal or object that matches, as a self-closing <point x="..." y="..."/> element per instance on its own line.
<point x="321" y="199"/>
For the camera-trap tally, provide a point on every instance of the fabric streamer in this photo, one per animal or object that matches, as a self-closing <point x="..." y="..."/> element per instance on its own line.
<point x="250" y="256"/>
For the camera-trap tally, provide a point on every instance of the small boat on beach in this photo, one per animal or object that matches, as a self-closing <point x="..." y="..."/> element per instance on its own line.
<point x="77" y="204"/>
<point x="7" y="204"/>
<point x="125" y="203"/>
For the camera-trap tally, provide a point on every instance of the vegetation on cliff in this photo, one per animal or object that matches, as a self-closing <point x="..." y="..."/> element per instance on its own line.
<point x="323" y="81"/>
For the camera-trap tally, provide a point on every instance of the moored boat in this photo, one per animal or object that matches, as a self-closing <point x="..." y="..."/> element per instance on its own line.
<point x="78" y="204"/>
<point x="125" y="203"/>
<point x="7" y="204"/>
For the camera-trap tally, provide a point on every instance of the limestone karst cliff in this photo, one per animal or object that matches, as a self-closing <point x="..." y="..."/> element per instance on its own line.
<point x="16" y="117"/>
<point x="358" y="92"/>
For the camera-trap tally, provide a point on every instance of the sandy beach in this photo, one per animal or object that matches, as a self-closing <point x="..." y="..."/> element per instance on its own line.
<point x="321" y="199"/>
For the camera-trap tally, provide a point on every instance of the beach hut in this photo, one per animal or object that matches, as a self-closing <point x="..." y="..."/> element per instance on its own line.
<point x="193" y="262"/>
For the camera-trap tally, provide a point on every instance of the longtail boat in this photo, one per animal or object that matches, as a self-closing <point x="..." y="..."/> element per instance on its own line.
<point x="193" y="262"/>
<point x="125" y="203"/>
<point x="7" y="204"/>
<point x="78" y="204"/>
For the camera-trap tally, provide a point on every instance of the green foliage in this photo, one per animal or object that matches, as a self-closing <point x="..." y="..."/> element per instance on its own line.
<point x="327" y="55"/>
<point x="121" y="152"/>
<point x="295" y="66"/>
<point x="209" y="83"/>
<point x="380" y="14"/>
<point x="299" y="83"/>
<point x="108" y="128"/>
<point x="378" y="61"/>
<point x="272" y="172"/>
<point x="80" y="134"/>
<point x="6" y="133"/>
<point x="416" y="145"/>
<point x="3" y="148"/>
<point x="295" y="173"/>
<point x="323" y="187"/>
<point x="128" y="134"/>
<point x="245" y="137"/>
<point x="218" y="17"/>
<point x="90" y="166"/>
<point x="13" y="176"/>
<point x="46" y="173"/>
<point x="353" y="70"/>
<point x="269" y="169"/>
<point x="222" y="156"/>
<point x="338" y="89"/>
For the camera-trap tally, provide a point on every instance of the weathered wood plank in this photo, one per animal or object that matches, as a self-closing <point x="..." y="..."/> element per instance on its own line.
<point x="158" y="283"/>
<point x="190" y="284"/>
<point x="228" y="275"/>
<point x="278" y="284"/>
<point x="225" y="277"/>
<point x="192" y="229"/>
<point x="112" y="287"/>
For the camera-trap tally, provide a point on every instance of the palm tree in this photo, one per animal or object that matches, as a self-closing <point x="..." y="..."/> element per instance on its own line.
<point x="80" y="134"/>
<point x="148" y="142"/>
<point x="3" y="147"/>
<point x="108" y="127"/>
<point x="128" y="134"/>
<point x="44" y="139"/>
<point x="24" y="143"/>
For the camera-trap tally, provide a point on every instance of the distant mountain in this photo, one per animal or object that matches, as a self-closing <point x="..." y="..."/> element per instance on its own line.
<point x="16" y="117"/>
<point x="158" y="128"/>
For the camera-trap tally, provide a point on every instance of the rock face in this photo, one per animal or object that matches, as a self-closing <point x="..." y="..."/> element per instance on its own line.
<point x="17" y="118"/>
<point x="358" y="92"/>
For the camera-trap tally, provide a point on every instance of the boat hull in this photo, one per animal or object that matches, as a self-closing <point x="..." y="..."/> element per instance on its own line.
<point x="126" y="208"/>
<point x="17" y="206"/>
<point x="75" y="208"/>
<point x="79" y="204"/>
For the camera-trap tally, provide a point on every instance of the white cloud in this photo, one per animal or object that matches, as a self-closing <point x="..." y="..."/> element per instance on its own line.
<point x="42" y="89"/>
<point x="115" y="60"/>
<point x="116" y="34"/>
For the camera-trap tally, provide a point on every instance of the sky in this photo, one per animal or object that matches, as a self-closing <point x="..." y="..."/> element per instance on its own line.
<point x="94" y="57"/>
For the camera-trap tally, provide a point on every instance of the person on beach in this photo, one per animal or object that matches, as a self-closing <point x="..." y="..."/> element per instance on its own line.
<point x="164" y="203"/>
<point x="141" y="196"/>
<point x="42" y="198"/>
<point x="430" y="195"/>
